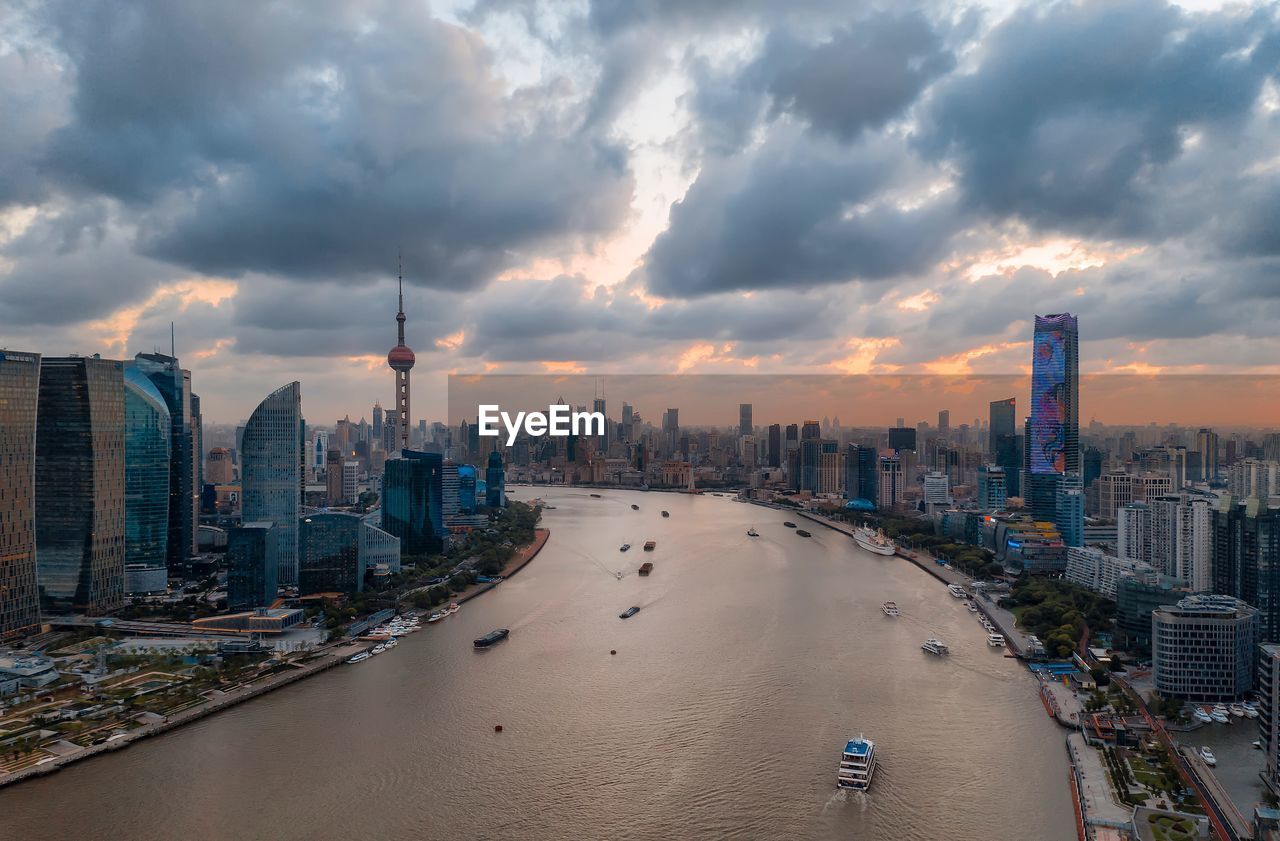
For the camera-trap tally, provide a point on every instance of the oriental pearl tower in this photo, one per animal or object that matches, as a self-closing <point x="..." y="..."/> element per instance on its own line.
<point x="401" y="360"/>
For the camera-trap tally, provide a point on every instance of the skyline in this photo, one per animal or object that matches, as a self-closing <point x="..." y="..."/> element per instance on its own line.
<point x="653" y="189"/>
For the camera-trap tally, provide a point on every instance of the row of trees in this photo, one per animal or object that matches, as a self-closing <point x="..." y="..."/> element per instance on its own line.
<point x="1058" y="612"/>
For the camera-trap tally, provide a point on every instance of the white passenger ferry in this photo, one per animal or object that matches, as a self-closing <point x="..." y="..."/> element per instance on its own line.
<point x="995" y="640"/>
<point x="890" y="608"/>
<point x="957" y="591"/>
<point x="935" y="646"/>
<point x="857" y="764"/>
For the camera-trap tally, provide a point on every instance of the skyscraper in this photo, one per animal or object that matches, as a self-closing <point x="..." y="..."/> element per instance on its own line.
<point x="412" y="502"/>
<point x="1207" y="445"/>
<point x="495" y="478"/>
<point x="174" y="385"/>
<point x="1246" y="556"/>
<point x="1003" y="419"/>
<point x="944" y="422"/>
<point x="1053" y="430"/>
<point x="861" y="479"/>
<point x="774" y="456"/>
<point x="401" y="360"/>
<point x="329" y="554"/>
<point x="271" y="478"/>
<point x="146" y="472"/>
<point x="744" y="419"/>
<point x="251" y="565"/>
<point x="1055" y="395"/>
<point x="19" y="393"/>
<point x="80" y="489"/>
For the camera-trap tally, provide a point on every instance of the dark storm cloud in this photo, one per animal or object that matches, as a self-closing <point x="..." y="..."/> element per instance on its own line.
<point x="317" y="139"/>
<point x="862" y="76"/>
<point x="1075" y="111"/>
<point x="795" y="212"/>
<point x="73" y="266"/>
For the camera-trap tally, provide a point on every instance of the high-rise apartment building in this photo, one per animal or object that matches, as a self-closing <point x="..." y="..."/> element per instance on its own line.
<point x="272" y="474"/>
<point x="992" y="492"/>
<point x="19" y="395"/>
<point x="80" y="485"/>
<point x="1207" y="446"/>
<point x="890" y="489"/>
<point x="1115" y="490"/>
<point x="1133" y="532"/>
<point x="1246" y="556"/>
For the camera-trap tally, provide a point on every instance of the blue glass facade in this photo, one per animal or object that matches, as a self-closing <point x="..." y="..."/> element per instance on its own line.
<point x="329" y="554"/>
<point x="466" y="489"/>
<point x="271" y="472"/>
<point x="412" y="504"/>
<point x="146" y="471"/>
<point x="174" y="386"/>
<point x="251" y="565"/>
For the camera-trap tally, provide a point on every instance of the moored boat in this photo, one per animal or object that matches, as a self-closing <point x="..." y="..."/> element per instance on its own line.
<point x="453" y="607"/>
<point x="873" y="541"/>
<point x="435" y="617"/>
<point x="995" y="640"/>
<point x="957" y="591"/>
<point x="1202" y="716"/>
<point x="857" y="764"/>
<point x="491" y="638"/>
<point x="1236" y="710"/>
<point x="359" y="658"/>
<point x="1208" y="757"/>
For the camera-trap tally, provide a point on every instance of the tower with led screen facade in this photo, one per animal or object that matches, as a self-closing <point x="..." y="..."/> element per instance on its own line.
<point x="1053" y="430"/>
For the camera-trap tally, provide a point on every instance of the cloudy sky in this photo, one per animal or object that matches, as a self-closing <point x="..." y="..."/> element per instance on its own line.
<point x="639" y="186"/>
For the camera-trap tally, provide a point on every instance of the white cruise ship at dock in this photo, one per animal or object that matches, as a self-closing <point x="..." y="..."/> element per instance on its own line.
<point x="873" y="541"/>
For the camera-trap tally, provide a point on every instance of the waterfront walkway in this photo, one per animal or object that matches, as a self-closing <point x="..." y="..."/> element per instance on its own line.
<point x="1097" y="799"/>
<point x="216" y="700"/>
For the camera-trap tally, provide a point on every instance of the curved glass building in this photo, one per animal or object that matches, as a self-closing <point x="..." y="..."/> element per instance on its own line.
<point x="271" y="472"/>
<point x="147" y="428"/>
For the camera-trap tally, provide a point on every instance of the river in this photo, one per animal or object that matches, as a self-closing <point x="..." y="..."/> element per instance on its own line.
<point x="722" y="714"/>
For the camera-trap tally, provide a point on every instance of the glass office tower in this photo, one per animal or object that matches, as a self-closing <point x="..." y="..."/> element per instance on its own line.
<point x="329" y="559"/>
<point x="271" y="472"/>
<point x="80" y="466"/>
<point x="412" y="502"/>
<point x="174" y="385"/>
<point x="146" y="471"/>
<point x="19" y="595"/>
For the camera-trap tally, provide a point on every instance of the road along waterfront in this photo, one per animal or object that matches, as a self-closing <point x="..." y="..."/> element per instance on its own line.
<point x="722" y="714"/>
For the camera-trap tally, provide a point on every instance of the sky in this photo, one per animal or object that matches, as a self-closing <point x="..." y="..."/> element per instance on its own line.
<point x="636" y="186"/>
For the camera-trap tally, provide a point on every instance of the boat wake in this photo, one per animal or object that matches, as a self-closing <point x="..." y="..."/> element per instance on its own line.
<point x="860" y="800"/>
